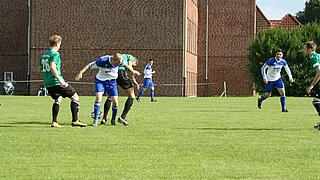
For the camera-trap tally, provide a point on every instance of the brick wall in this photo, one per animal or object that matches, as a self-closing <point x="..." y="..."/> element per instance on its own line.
<point x="13" y="46"/>
<point x="231" y="28"/>
<point x="262" y="21"/>
<point x="147" y="29"/>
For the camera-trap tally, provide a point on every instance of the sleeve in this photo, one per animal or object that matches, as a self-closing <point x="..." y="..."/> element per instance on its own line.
<point x="93" y="65"/>
<point x="54" y="58"/>
<point x="263" y="70"/>
<point x="286" y="67"/>
<point x="314" y="62"/>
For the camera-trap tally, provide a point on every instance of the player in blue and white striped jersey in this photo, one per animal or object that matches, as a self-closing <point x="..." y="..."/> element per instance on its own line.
<point x="106" y="82"/>
<point x="147" y="81"/>
<point x="271" y="73"/>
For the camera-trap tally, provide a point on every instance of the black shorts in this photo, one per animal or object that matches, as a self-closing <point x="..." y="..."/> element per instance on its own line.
<point x="57" y="91"/>
<point x="123" y="80"/>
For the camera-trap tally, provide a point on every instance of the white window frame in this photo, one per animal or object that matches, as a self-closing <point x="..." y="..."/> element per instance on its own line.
<point x="6" y="74"/>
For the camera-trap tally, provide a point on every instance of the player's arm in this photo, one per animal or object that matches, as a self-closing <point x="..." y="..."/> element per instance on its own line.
<point x="53" y="69"/>
<point x="286" y="67"/>
<point x="132" y="70"/>
<point x="314" y="81"/>
<point x="263" y="72"/>
<point x="91" y="65"/>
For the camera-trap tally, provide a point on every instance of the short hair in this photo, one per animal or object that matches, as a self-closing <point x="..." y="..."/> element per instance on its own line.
<point x="150" y="60"/>
<point x="310" y="45"/>
<point x="279" y="50"/>
<point x="117" y="57"/>
<point x="54" y="39"/>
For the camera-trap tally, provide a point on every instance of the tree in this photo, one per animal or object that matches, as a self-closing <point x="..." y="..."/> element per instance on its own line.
<point x="268" y="41"/>
<point x="311" y="12"/>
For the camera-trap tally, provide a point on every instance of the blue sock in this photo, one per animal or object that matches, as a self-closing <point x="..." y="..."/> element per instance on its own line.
<point x="283" y="102"/>
<point x="152" y="94"/>
<point x="263" y="97"/>
<point x="96" y="110"/>
<point x="114" y="112"/>
<point x="140" y="93"/>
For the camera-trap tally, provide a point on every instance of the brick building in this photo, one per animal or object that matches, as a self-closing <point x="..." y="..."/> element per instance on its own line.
<point x="173" y="33"/>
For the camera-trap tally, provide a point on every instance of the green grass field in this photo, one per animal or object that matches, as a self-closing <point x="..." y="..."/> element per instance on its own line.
<point x="174" y="138"/>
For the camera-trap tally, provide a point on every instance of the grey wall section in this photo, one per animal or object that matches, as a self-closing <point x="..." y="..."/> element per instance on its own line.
<point x="14" y="37"/>
<point x="147" y="29"/>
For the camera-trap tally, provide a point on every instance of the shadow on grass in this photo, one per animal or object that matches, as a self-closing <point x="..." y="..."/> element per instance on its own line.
<point x="23" y="123"/>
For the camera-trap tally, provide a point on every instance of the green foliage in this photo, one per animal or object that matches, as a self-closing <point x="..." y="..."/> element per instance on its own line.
<point x="311" y="12"/>
<point x="268" y="41"/>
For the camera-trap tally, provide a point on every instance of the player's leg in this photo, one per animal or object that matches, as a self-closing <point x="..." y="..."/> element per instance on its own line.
<point x="70" y="92"/>
<point x="126" y="85"/>
<point x="56" y="105"/>
<point x="280" y="87"/>
<point x="316" y="104"/>
<point x="106" y="108"/>
<point x="112" y="91"/>
<point x="152" y="91"/>
<point x="100" y="89"/>
<point x="144" y="87"/>
<point x="267" y="94"/>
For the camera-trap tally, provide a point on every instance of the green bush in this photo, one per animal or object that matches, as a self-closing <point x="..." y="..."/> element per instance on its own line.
<point x="269" y="41"/>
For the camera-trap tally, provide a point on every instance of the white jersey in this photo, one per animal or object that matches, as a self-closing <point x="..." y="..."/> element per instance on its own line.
<point x="107" y="71"/>
<point x="272" y="68"/>
<point x="148" y="71"/>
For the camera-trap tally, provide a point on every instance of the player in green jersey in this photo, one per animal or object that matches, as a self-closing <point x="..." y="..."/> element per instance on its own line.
<point x="310" y="51"/>
<point x="50" y="67"/>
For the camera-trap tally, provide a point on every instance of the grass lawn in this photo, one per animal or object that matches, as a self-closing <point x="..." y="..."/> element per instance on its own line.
<point x="174" y="138"/>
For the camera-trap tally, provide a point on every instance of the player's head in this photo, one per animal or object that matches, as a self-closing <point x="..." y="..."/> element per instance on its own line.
<point x="309" y="47"/>
<point x="150" y="62"/>
<point x="55" y="41"/>
<point x="279" y="54"/>
<point x="134" y="62"/>
<point x="117" y="59"/>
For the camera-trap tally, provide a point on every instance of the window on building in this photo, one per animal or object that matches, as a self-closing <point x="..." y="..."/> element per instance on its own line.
<point x="8" y="76"/>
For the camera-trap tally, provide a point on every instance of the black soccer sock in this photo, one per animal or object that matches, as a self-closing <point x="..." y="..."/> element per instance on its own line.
<point x="55" y="111"/>
<point x="74" y="106"/>
<point x="316" y="105"/>
<point x="127" y="107"/>
<point x="106" y="107"/>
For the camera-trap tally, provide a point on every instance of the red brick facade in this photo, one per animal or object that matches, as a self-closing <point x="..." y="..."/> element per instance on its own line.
<point x="231" y="28"/>
<point x="14" y="40"/>
<point x="172" y="33"/>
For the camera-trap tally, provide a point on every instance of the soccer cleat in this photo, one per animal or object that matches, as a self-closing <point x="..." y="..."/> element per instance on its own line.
<point x="317" y="126"/>
<point x="123" y="121"/>
<point x="55" y="125"/>
<point x="103" y="122"/>
<point x="259" y="103"/>
<point x="95" y="123"/>
<point x="138" y="99"/>
<point x="153" y="100"/>
<point x="78" y="124"/>
<point x="113" y="122"/>
<point x="285" y="110"/>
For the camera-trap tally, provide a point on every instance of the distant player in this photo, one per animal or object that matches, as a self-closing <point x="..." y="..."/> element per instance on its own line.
<point x="125" y="83"/>
<point x="272" y="78"/>
<point x="310" y="51"/>
<point x="147" y="82"/>
<point x="50" y="65"/>
<point x="106" y="82"/>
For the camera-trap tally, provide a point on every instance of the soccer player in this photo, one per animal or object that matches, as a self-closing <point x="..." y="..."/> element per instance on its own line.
<point x="125" y="83"/>
<point x="147" y="81"/>
<point x="272" y="78"/>
<point x="50" y="64"/>
<point x="106" y="82"/>
<point x="310" y="51"/>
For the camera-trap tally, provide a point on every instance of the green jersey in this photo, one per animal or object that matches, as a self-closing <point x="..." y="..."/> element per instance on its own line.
<point x="315" y="59"/>
<point x="47" y="76"/>
<point x="126" y="58"/>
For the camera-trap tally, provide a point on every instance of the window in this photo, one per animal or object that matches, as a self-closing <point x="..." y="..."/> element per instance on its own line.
<point x="8" y="76"/>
